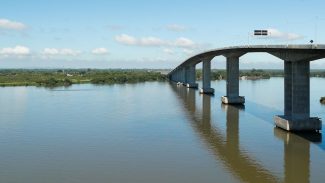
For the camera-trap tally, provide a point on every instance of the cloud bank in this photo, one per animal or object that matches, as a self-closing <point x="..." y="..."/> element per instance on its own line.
<point x="62" y="52"/>
<point x="99" y="51"/>
<point x="15" y="51"/>
<point x="280" y="35"/>
<point x="180" y="42"/>
<point x="11" y="25"/>
<point x="275" y="33"/>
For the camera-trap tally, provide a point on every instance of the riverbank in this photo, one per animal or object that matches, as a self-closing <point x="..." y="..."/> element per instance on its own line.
<point x="256" y="74"/>
<point x="67" y="77"/>
<point x="55" y="78"/>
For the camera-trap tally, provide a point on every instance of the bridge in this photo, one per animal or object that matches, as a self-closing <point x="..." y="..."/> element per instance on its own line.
<point x="296" y="59"/>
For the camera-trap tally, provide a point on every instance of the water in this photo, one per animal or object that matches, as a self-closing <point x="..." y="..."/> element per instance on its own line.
<point x="154" y="132"/>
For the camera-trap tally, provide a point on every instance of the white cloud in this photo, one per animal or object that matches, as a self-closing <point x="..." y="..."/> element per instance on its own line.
<point x="176" y="28"/>
<point x="168" y="51"/>
<point x="151" y="41"/>
<point x="277" y="34"/>
<point x="63" y="52"/>
<point x="99" y="51"/>
<point x="184" y="43"/>
<point x="126" y="39"/>
<point x="51" y="51"/>
<point x="15" y="51"/>
<point x="155" y="42"/>
<point x="11" y="25"/>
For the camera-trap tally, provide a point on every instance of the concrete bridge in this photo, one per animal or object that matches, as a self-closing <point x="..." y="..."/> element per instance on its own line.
<point x="296" y="59"/>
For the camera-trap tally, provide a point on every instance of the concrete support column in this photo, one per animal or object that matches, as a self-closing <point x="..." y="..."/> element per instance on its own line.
<point x="287" y="89"/>
<point x="233" y="82"/>
<point x="297" y="90"/>
<point x="233" y="76"/>
<point x="178" y="76"/>
<point x="300" y="86"/>
<point x="172" y="77"/>
<point x="297" y="98"/>
<point x="206" y="77"/>
<point x="183" y="76"/>
<point x="191" y="77"/>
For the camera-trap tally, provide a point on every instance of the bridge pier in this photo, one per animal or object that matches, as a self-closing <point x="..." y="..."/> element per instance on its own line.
<point x="297" y="99"/>
<point x="191" y="77"/>
<point x="174" y="77"/>
<point x="183" y="76"/>
<point x="179" y="76"/>
<point x="232" y="96"/>
<point x="206" y="77"/>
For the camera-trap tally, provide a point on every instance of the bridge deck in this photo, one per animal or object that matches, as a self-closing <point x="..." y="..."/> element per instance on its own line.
<point x="319" y="50"/>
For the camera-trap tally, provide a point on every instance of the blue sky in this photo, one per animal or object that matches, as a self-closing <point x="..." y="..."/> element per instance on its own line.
<point x="149" y="34"/>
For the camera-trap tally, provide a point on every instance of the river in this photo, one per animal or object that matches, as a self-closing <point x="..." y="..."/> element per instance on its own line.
<point x="154" y="132"/>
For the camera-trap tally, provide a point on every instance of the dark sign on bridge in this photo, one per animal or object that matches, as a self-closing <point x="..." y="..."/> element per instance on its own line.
<point x="260" y="33"/>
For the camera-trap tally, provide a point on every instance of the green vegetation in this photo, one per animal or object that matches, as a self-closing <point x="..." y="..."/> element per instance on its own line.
<point x="125" y="77"/>
<point x="55" y="78"/>
<point x="255" y="74"/>
<point x="248" y="74"/>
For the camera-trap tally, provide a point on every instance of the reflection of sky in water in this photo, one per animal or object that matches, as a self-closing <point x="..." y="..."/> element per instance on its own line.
<point x="13" y="102"/>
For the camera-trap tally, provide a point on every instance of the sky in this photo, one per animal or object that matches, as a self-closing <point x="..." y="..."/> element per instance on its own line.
<point x="150" y="34"/>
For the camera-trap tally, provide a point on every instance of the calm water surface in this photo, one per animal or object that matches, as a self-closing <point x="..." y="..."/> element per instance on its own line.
<point x="154" y="132"/>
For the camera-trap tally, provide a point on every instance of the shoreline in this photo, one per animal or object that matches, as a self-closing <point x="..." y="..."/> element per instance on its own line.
<point x="59" y="77"/>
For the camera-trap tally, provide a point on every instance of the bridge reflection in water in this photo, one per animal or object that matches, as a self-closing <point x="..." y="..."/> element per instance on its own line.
<point x="296" y="159"/>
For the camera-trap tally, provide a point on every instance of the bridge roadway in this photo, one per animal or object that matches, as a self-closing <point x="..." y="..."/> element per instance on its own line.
<point x="296" y="59"/>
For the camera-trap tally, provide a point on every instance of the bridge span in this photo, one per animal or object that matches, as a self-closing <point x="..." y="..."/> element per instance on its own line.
<point x="296" y="59"/>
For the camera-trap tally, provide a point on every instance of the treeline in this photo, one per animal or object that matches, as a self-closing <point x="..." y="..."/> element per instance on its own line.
<point x="54" y="78"/>
<point x="250" y="74"/>
<point x="125" y="77"/>
<point x="255" y="74"/>
<point x="67" y="77"/>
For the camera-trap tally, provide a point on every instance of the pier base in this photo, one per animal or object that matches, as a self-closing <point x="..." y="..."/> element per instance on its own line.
<point x="192" y="85"/>
<point x="233" y="100"/>
<point x="310" y="124"/>
<point x="207" y="91"/>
